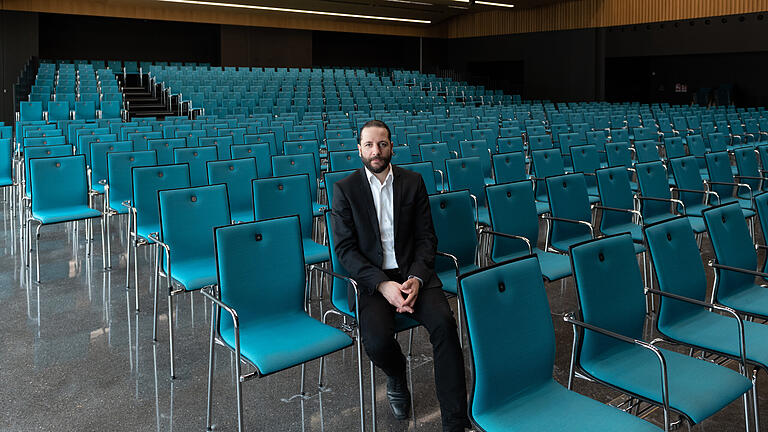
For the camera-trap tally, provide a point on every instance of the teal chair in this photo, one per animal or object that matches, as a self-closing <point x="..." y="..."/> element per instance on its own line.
<point x="266" y="328"/>
<point x="609" y="346"/>
<point x="479" y="149"/>
<point x="722" y="181"/>
<point x="509" y="167"/>
<point x="330" y="178"/>
<point x="144" y="214"/>
<point x="512" y="392"/>
<point x="186" y="252"/>
<point x="344" y="160"/>
<point x="302" y="163"/>
<point x="164" y="148"/>
<point x="197" y="158"/>
<point x="222" y="144"/>
<point x="237" y="174"/>
<point x="618" y="205"/>
<point x="510" y="144"/>
<point x="437" y="153"/>
<point x="98" y="169"/>
<point x="259" y="151"/>
<point x="401" y="155"/>
<point x="570" y="218"/>
<point x="586" y="160"/>
<point x="427" y="174"/>
<point x="545" y="163"/>
<point x="467" y="173"/>
<point x="735" y="262"/>
<point x="457" y="242"/>
<point x="690" y="186"/>
<point x="286" y="196"/>
<point x="58" y="193"/>
<point x="42" y="152"/>
<point x="747" y="170"/>
<point x="656" y="202"/>
<point x="684" y="314"/>
<point x="515" y="227"/>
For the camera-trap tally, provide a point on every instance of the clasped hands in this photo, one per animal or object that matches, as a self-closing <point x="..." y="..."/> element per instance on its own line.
<point x="401" y="296"/>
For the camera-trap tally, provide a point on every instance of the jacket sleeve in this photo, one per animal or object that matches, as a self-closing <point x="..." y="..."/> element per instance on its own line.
<point x="346" y="245"/>
<point x="425" y="240"/>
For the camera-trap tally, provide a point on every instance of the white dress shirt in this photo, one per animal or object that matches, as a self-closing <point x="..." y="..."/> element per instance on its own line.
<point x="385" y="213"/>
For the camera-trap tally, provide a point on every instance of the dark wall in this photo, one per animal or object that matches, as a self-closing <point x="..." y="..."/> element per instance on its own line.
<point x="555" y="65"/>
<point x="352" y="49"/>
<point x="18" y="43"/>
<point x="87" y="37"/>
<point x="258" y="46"/>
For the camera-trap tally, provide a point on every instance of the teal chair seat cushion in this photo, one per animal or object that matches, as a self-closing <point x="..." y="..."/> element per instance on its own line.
<point x="448" y="277"/>
<point x="637" y="370"/>
<point x="118" y="207"/>
<point x="483" y="218"/>
<point x="593" y="199"/>
<point x="753" y="299"/>
<point x="633" y="229"/>
<point x="542" y="207"/>
<point x="145" y="230"/>
<point x="314" y="253"/>
<point x="553" y="266"/>
<point x="563" y="245"/>
<point x="6" y="181"/>
<point x="279" y="343"/>
<point x="98" y="188"/>
<point x="557" y="409"/>
<point x="746" y="205"/>
<point x="64" y="214"/>
<point x="719" y="333"/>
<point x="194" y="274"/>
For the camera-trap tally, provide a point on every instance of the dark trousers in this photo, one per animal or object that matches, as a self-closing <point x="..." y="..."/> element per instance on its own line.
<point x="377" y="326"/>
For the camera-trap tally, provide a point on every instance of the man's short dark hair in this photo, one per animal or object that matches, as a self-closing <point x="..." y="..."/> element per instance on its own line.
<point x="375" y="123"/>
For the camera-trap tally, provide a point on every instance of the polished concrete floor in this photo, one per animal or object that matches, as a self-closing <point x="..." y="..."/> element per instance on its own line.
<point x="75" y="355"/>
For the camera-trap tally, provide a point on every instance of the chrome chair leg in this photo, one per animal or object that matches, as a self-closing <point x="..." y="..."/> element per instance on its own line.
<point x="360" y="379"/>
<point x="238" y="385"/>
<point x="157" y="294"/>
<point x="170" y="329"/>
<point x="211" y="362"/>
<point x="37" y="252"/>
<point x="373" y="397"/>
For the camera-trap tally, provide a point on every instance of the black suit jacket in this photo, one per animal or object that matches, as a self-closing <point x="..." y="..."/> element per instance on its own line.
<point x="356" y="230"/>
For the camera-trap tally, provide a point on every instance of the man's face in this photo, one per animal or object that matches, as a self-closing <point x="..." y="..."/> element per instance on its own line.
<point x="375" y="149"/>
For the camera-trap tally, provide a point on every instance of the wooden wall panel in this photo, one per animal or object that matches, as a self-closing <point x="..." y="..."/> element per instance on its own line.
<point x="147" y="9"/>
<point x="579" y="14"/>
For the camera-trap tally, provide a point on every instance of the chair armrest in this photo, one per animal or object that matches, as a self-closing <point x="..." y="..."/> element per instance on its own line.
<point x="452" y="257"/>
<point x="477" y="211"/>
<point x="127" y="204"/>
<point x="232" y="312"/>
<point x="670" y="200"/>
<point x="729" y="311"/>
<point x="633" y="211"/>
<point x="573" y="221"/>
<point x="442" y="180"/>
<point x="703" y="192"/>
<point x="336" y="275"/>
<point x="510" y="236"/>
<point x="659" y="355"/>
<point x="714" y="264"/>
<point x="749" y="177"/>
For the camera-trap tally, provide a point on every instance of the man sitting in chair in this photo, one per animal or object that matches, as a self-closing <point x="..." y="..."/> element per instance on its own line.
<point x="382" y="226"/>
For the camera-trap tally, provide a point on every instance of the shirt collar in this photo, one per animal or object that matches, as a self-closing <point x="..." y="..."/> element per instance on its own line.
<point x="371" y="176"/>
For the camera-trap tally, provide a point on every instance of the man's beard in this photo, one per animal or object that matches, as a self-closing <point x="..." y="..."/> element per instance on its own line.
<point x="381" y="168"/>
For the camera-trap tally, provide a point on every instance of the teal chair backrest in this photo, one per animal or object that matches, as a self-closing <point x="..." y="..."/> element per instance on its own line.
<point x="237" y="174"/>
<point x="43" y="152"/>
<point x="615" y="191"/>
<point x="330" y="179"/>
<point x="401" y="155"/>
<point x="341" y="144"/>
<point x="540" y="142"/>
<point x="610" y="293"/>
<point x="620" y="135"/>
<point x="414" y="140"/>
<point x="510" y="144"/>
<point x="188" y="217"/>
<point x="746" y="164"/>
<point x="254" y="251"/>
<point x="294" y="164"/>
<point x="479" y="149"/>
<point x="673" y="147"/>
<point x="761" y="207"/>
<point x="85" y="110"/>
<point x="6" y="162"/>
<point x="197" y="158"/>
<point x="147" y="181"/>
<point x="30" y="111"/>
<point x="487" y="297"/>
<point x="687" y="176"/>
<point x="646" y="151"/>
<point x="719" y="141"/>
<point x="509" y="167"/>
<point x="305" y="147"/>
<point x="719" y="169"/>
<point x="58" y="110"/>
<point x="696" y="147"/>
<point x="452" y="138"/>
<point x="487" y="135"/>
<point x="512" y="211"/>
<point x="568" y="199"/>
<point x="99" y="151"/>
<point x="192" y="136"/>
<point x="258" y="151"/>
<point x="436" y="153"/>
<point x="466" y="173"/>
<point x="222" y="144"/>
<point x="454" y="222"/>
<point x="58" y="183"/>
<point x="237" y="134"/>
<point x="618" y="153"/>
<point x="44" y="141"/>
<point x="546" y="163"/>
<point x="677" y="263"/>
<point x="732" y="245"/>
<point x="426" y="172"/>
<point x="344" y="160"/>
<point x="164" y="148"/>
<point x="119" y="176"/>
<point x="653" y="182"/>
<point x="284" y="196"/>
<point x="586" y="160"/>
<point x="111" y="109"/>
<point x="140" y="139"/>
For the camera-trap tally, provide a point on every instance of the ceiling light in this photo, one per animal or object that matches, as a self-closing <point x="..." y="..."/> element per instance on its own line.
<point x="485" y="3"/>
<point x="301" y="11"/>
<point x="411" y="2"/>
